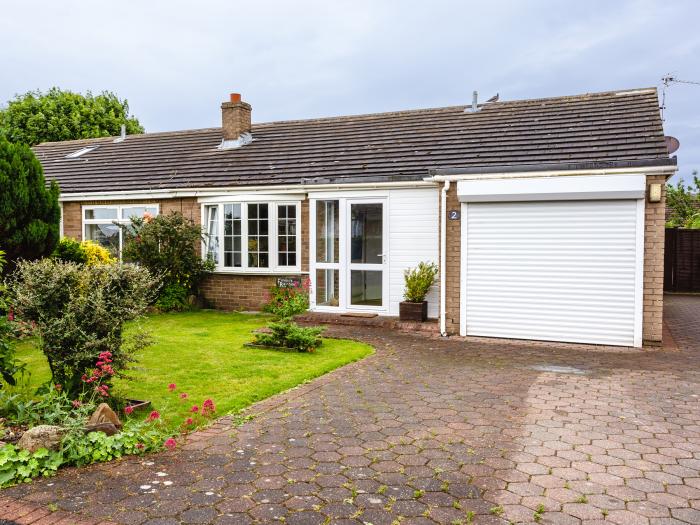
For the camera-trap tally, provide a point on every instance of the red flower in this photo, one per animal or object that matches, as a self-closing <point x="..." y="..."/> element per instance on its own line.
<point x="208" y="406"/>
<point x="128" y="409"/>
<point x="11" y="315"/>
<point x="189" y="421"/>
<point x="194" y="408"/>
<point x="183" y="396"/>
<point x="172" y="387"/>
<point x="153" y="415"/>
<point x="139" y="446"/>
<point x="170" y="443"/>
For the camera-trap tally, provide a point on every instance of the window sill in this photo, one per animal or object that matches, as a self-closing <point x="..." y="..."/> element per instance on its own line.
<point x="257" y="271"/>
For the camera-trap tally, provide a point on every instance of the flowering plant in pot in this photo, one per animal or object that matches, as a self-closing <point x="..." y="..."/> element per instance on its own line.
<point x="418" y="281"/>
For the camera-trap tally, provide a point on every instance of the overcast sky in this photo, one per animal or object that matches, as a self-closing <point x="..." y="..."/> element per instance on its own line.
<point x="175" y="61"/>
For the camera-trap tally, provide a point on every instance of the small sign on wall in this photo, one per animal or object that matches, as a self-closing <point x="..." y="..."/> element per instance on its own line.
<point x="453" y="215"/>
<point x="288" y="282"/>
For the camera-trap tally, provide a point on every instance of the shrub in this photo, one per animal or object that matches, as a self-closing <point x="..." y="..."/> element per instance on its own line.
<point x="80" y="312"/>
<point x="96" y="254"/>
<point x="85" y="252"/>
<point x="173" y="298"/>
<point x="418" y="281"/>
<point x="287" y="334"/>
<point x="288" y="301"/>
<point x="69" y="250"/>
<point x="9" y="366"/>
<point x="167" y="246"/>
<point x="684" y="203"/>
<point x="29" y="209"/>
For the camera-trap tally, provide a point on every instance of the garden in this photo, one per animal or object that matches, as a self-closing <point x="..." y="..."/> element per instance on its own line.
<point x="101" y="358"/>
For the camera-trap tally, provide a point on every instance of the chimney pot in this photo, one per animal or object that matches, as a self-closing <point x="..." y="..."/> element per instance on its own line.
<point x="235" y="117"/>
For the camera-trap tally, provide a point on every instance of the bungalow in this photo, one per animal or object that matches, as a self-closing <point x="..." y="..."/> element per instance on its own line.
<point x="546" y="216"/>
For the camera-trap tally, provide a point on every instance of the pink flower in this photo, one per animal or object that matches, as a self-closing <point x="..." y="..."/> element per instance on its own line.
<point x="172" y="387"/>
<point x="208" y="406"/>
<point x="76" y="403"/>
<point x="170" y="443"/>
<point x="153" y="415"/>
<point x="194" y="409"/>
<point x="189" y="421"/>
<point x="11" y="315"/>
<point x="183" y="396"/>
<point x="58" y="387"/>
<point x="128" y="409"/>
<point x="139" y="446"/>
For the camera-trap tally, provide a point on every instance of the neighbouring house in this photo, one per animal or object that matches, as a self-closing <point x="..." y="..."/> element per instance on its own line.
<point x="546" y="216"/>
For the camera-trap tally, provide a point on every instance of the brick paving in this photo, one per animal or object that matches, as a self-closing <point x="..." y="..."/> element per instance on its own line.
<point x="425" y="431"/>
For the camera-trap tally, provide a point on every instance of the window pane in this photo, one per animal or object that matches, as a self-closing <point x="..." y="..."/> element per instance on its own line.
<point x="258" y="227"/>
<point x="106" y="235"/>
<point x="327" y="220"/>
<point x="212" y="232"/>
<point x="327" y="287"/>
<point x="366" y="233"/>
<point x="232" y="235"/>
<point x="101" y="213"/>
<point x="138" y="211"/>
<point x="366" y="288"/>
<point x="286" y="241"/>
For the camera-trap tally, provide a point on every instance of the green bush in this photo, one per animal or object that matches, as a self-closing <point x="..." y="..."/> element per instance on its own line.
<point x="684" y="203"/>
<point x="288" y="334"/>
<point x="167" y="246"/>
<point x="173" y="298"/>
<point x="418" y="281"/>
<point x="80" y="313"/>
<point x="69" y="250"/>
<point x="19" y="466"/>
<point x="9" y="365"/>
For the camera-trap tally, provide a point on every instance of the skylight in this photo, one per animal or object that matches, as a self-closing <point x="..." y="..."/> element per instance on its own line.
<point x="81" y="152"/>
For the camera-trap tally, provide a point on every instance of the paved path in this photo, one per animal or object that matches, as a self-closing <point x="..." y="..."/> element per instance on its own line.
<point x="430" y="431"/>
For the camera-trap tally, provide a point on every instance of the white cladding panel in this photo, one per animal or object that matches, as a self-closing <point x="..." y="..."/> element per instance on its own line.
<point x="557" y="270"/>
<point x="413" y="237"/>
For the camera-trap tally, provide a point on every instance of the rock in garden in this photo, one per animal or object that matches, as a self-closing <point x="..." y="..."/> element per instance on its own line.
<point x="104" y="414"/>
<point x="41" y="436"/>
<point x="107" y="428"/>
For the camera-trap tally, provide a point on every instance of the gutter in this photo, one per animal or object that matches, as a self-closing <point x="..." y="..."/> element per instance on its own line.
<point x="163" y="193"/>
<point x="443" y="253"/>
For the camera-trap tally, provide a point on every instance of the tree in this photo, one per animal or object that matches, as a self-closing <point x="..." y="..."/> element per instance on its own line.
<point x="29" y="210"/>
<point x="684" y="202"/>
<point x="36" y="117"/>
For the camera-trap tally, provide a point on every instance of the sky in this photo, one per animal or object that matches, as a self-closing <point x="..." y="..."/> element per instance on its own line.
<point x="176" y="61"/>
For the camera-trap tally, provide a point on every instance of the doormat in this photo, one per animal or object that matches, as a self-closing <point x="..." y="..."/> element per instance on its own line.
<point x="358" y="314"/>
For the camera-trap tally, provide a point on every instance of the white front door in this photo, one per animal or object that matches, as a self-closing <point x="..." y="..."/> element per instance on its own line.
<point x="366" y="257"/>
<point x="349" y="255"/>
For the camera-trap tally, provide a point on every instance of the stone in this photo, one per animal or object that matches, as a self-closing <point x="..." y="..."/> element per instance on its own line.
<point x="108" y="428"/>
<point x="41" y="436"/>
<point x="104" y="414"/>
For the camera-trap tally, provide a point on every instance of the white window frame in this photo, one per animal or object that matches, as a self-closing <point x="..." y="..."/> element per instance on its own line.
<point x="273" y="247"/>
<point x="118" y="220"/>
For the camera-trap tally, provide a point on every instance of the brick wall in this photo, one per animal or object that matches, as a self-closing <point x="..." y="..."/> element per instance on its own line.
<point x="222" y="291"/>
<point x="654" y="235"/>
<point x="452" y="262"/>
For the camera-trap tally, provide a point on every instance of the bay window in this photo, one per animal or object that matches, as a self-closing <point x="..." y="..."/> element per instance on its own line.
<point x="101" y="223"/>
<point x="252" y="236"/>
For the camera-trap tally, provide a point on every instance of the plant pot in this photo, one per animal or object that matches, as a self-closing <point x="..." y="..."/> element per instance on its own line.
<point x="413" y="311"/>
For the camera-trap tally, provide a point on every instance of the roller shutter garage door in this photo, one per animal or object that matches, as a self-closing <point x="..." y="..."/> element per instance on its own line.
<point x="557" y="271"/>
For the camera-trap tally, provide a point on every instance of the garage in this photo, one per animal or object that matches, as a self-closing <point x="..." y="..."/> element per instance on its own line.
<point x="553" y="259"/>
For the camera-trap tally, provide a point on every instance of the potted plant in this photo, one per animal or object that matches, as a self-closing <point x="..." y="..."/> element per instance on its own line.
<point x="418" y="281"/>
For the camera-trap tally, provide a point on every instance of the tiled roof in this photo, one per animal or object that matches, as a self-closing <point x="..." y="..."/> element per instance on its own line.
<point x="600" y="127"/>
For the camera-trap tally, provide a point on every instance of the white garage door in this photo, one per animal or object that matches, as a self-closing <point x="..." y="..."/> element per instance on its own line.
<point x="558" y="271"/>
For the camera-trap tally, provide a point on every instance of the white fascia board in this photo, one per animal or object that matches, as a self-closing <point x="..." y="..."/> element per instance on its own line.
<point x="235" y="190"/>
<point x="582" y="187"/>
<point x="252" y="197"/>
<point x="646" y="170"/>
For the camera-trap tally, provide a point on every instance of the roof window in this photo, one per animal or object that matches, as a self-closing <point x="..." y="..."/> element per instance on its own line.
<point x="81" y="152"/>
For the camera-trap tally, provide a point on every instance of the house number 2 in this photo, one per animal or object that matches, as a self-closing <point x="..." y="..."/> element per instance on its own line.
<point x="453" y="215"/>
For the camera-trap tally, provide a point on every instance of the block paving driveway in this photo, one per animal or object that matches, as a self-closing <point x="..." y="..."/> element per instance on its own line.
<point x="428" y="431"/>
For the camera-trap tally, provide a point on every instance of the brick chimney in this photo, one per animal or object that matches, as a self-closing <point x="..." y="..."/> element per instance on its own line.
<point x="235" y="117"/>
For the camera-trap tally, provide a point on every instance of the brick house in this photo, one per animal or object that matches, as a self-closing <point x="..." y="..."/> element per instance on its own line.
<point x="546" y="216"/>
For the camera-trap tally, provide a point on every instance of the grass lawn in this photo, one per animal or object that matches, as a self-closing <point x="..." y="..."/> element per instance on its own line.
<point x="202" y="352"/>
